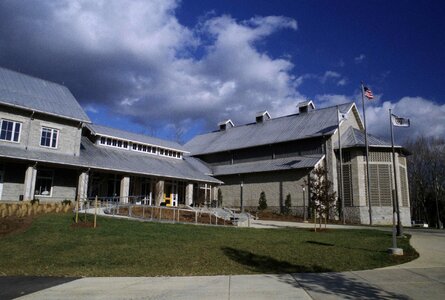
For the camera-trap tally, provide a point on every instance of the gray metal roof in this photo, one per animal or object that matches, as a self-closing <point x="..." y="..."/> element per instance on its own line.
<point x="107" y="158"/>
<point x="24" y="91"/>
<point x="354" y="137"/>
<point x="135" y="137"/>
<point x="288" y="163"/>
<point x="316" y="122"/>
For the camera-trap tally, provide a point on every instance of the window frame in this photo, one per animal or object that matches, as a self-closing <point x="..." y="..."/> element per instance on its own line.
<point x="51" y="137"/>
<point x="14" y="125"/>
<point x="45" y="177"/>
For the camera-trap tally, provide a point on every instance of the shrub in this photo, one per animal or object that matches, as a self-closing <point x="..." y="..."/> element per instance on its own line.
<point x="35" y="201"/>
<point x="287" y="205"/>
<point x="66" y="202"/>
<point x="262" y="202"/>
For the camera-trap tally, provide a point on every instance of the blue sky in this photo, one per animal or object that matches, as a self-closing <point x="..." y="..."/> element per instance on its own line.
<point x="175" y="69"/>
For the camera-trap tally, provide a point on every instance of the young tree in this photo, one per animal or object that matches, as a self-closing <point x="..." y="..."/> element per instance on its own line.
<point x="262" y="202"/>
<point x="287" y="205"/>
<point x="322" y="198"/>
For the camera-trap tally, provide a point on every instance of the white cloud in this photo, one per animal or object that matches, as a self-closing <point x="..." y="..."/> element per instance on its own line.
<point x="360" y="58"/>
<point x="140" y="62"/>
<point x="332" y="99"/>
<point x="427" y="118"/>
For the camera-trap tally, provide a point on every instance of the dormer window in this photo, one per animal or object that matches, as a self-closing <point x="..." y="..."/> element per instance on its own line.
<point x="49" y="137"/>
<point x="262" y="116"/>
<point x="305" y="106"/>
<point x="224" y="125"/>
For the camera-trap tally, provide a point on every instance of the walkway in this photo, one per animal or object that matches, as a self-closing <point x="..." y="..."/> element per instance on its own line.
<point x="423" y="278"/>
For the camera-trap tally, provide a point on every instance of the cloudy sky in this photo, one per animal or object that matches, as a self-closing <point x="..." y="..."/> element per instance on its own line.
<point x="176" y="68"/>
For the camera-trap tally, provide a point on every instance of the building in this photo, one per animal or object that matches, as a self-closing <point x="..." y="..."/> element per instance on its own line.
<point x="276" y="155"/>
<point x="50" y="150"/>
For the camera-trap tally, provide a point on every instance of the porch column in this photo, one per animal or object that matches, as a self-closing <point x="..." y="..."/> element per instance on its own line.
<point x="82" y="186"/>
<point x="215" y="193"/>
<point x="159" y="192"/>
<point x="30" y="183"/>
<point x="189" y="194"/>
<point x="125" y="189"/>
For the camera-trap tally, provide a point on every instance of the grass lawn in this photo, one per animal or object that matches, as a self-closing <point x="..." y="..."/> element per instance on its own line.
<point x="130" y="248"/>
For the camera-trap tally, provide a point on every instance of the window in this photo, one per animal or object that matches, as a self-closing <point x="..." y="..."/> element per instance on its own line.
<point x="10" y="131"/>
<point x="44" y="183"/>
<point x="102" y="140"/>
<point x="49" y="137"/>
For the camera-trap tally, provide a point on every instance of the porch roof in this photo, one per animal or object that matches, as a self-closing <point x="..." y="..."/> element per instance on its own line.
<point x="108" y="159"/>
<point x="279" y="164"/>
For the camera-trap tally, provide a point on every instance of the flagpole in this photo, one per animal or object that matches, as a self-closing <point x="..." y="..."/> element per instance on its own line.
<point x="394" y="197"/>
<point x="396" y="193"/>
<point x="342" y="195"/>
<point x="368" y="189"/>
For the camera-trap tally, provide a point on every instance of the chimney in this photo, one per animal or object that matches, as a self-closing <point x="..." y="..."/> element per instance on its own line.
<point x="305" y="106"/>
<point x="224" y="125"/>
<point x="262" y="116"/>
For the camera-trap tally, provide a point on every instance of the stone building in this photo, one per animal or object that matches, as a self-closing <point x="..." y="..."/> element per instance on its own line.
<point x="277" y="155"/>
<point x="50" y="150"/>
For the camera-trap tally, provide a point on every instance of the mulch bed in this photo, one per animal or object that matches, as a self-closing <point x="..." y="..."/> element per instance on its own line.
<point x="82" y="224"/>
<point x="12" y="225"/>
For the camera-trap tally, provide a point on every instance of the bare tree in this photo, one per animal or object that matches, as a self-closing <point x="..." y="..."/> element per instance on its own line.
<point x="426" y="173"/>
<point x="322" y="197"/>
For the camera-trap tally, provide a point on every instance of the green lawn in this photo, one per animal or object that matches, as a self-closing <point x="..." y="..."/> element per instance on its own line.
<point x="130" y="248"/>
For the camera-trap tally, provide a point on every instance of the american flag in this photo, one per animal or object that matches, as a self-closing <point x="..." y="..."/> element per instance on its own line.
<point x="368" y="93"/>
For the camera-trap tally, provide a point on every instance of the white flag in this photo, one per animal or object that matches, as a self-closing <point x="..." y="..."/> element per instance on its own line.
<point x="399" y="122"/>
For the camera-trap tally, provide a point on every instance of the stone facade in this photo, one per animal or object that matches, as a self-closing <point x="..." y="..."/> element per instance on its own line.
<point x="276" y="185"/>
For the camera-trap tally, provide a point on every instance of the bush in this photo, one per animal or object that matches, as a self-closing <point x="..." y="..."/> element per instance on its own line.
<point x="66" y="202"/>
<point x="287" y="205"/>
<point x="35" y="201"/>
<point x="262" y="202"/>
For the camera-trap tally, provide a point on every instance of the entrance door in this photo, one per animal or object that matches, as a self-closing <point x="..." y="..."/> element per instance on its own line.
<point x="1" y="184"/>
<point x="171" y="193"/>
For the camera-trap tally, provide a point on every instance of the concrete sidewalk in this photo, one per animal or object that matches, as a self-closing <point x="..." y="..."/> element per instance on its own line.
<point x="423" y="278"/>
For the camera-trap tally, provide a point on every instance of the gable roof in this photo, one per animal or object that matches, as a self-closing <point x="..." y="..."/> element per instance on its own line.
<point x="134" y="137"/>
<point x="30" y="93"/>
<point x="318" y="122"/>
<point x="354" y="137"/>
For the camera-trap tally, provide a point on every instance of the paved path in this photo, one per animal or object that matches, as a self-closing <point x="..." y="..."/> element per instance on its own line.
<point x="423" y="278"/>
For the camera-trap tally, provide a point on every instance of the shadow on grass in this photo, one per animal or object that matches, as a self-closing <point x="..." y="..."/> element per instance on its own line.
<point x="343" y="285"/>
<point x="320" y="243"/>
<point x="267" y="264"/>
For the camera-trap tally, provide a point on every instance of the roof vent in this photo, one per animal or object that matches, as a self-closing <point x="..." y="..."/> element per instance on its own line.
<point x="262" y="116"/>
<point x="225" y="125"/>
<point x="305" y="106"/>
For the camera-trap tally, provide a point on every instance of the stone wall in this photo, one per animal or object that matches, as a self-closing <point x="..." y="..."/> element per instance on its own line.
<point x="276" y="186"/>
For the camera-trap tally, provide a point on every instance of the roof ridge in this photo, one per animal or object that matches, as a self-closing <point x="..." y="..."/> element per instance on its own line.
<point x="33" y="77"/>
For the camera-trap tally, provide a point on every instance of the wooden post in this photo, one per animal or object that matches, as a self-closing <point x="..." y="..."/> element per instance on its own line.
<point x="196" y="217"/>
<point x="178" y="214"/>
<point x="210" y="218"/>
<point x="77" y="209"/>
<point x="160" y="213"/>
<point x="143" y="212"/>
<point x="151" y="212"/>
<point x="315" y="221"/>
<point x="85" y="210"/>
<point x="95" y="211"/>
